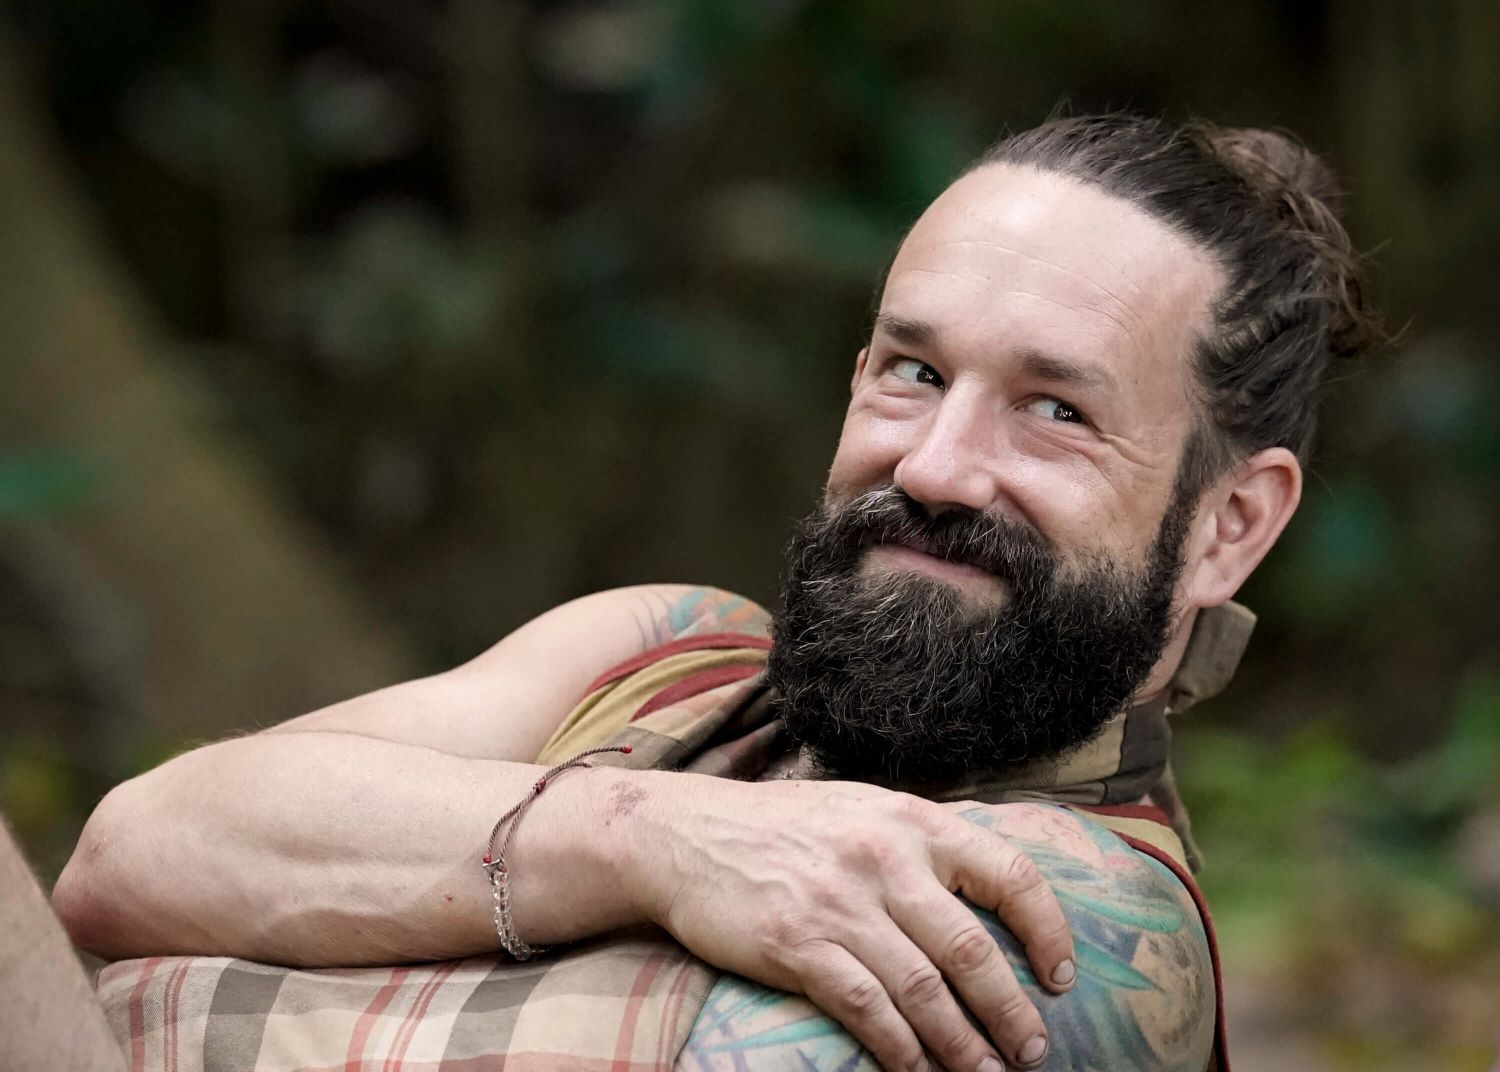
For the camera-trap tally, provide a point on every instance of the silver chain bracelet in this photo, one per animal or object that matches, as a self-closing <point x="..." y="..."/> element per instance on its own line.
<point x="494" y="860"/>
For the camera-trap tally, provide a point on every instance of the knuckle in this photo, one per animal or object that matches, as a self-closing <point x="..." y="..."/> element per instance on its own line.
<point x="826" y="892"/>
<point x="1015" y="1011"/>
<point x="1054" y="930"/>
<point x="785" y="933"/>
<point x="962" y="1047"/>
<point x="922" y="986"/>
<point x="1020" y="873"/>
<point x="862" y="997"/>
<point x="869" y="851"/>
<point x="918" y="811"/>
<point x="970" y="950"/>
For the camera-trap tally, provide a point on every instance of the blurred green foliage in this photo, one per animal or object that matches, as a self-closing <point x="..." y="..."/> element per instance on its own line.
<point x="37" y="483"/>
<point x="1395" y="830"/>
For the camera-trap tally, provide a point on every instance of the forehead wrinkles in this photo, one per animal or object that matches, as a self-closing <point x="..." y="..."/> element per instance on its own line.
<point x="1079" y="294"/>
<point x="1036" y="232"/>
<point x="1098" y="291"/>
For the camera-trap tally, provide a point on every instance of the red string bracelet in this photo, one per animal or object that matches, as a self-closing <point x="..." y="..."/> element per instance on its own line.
<point x="494" y="861"/>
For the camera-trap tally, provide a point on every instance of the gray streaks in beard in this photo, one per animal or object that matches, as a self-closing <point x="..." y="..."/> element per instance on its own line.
<point x="624" y="798"/>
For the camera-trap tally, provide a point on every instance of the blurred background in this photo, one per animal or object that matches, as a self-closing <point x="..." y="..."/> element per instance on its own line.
<point x="338" y="339"/>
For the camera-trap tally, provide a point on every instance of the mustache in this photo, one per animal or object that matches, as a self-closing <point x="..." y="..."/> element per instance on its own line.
<point x="1006" y="547"/>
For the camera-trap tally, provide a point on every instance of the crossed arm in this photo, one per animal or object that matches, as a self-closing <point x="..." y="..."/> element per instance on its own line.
<point x="313" y="858"/>
<point x="1144" y="997"/>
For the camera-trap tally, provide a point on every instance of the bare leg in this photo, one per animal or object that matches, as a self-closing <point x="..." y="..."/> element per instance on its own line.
<point x="48" y="1015"/>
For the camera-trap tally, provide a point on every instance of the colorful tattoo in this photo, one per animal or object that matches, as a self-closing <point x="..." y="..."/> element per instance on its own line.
<point x="662" y="618"/>
<point x="1144" y="996"/>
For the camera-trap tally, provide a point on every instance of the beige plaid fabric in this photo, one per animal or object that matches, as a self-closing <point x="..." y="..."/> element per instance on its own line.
<point x="627" y="1004"/>
<point x="622" y="1003"/>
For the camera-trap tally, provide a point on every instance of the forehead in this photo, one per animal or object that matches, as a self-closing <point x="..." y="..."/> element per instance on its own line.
<point x="1013" y="257"/>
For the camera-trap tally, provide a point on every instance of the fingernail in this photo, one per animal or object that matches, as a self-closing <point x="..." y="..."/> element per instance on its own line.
<point x="1034" y="1050"/>
<point x="991" y="1064"/>
<point x="1063" y="974"/>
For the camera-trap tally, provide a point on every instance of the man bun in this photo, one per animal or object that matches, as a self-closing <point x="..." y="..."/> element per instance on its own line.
<point x="1276" y="164"/>
<point x="1296" y="184"/>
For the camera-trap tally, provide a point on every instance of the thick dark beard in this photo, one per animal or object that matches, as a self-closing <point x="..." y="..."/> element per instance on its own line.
<point x="899" y="678"/>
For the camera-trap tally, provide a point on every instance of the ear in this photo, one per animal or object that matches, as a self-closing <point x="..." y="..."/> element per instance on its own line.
<point x="1238" y="522"/>
<point x="859" y="369"/>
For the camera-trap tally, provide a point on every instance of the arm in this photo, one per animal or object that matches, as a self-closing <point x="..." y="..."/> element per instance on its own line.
<point x="1144" y="997"/>
<point x="348" y="836"/>
<point x="48" y="1015"/>
<point x="352" y="837"/>
<point x="507" y="702"/>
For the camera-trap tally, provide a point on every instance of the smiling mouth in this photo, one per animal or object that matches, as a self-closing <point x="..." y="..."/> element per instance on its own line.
<point x="914" y="557"/>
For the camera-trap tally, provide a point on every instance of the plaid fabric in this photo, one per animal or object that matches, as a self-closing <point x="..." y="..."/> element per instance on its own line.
<point x="626" y="1004"/>
<point x="696" y="705"/>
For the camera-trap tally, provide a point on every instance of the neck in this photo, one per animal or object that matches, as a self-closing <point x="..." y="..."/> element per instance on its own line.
<point x="1171" y="658"/>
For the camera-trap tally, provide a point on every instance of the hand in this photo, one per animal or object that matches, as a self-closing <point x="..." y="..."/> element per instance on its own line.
<point x="846" y="893"/>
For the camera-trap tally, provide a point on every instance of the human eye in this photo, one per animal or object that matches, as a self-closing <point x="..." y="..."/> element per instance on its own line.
<point x="1055" y="409"/>
<point x="913" y="371"/>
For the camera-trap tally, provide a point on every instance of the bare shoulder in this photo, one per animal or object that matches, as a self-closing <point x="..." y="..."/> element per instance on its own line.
<point x="643" y="616"/>
<point x="1145" y="993"/>
<point x="507" y="701"/>
<point x="548" y="664"/>
<point x="598" y="631"/>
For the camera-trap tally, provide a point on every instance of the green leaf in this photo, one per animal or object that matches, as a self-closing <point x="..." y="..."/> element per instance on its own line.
<point x="1159" y="915"/>
<point x="1104" y="967"/>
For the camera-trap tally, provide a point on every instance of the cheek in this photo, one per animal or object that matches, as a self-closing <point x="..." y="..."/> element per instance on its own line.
<point x="870" y="448"/>
<point x="1080" y="507"/>
<point x="1059" y="497"/>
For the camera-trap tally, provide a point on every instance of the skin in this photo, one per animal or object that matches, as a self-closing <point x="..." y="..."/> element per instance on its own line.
<point x="52" y="1021"/>
<point x="1031" y="358"/>
<point x="1019" y="300"/>
<point x="296" y="846"/>
<point x="1139" y="939"/>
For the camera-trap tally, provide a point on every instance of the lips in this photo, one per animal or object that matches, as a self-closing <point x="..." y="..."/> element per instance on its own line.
<point x="927" y="548"/>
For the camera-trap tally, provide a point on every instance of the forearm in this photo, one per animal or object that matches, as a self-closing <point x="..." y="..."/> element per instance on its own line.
<point x="334" y="849"/>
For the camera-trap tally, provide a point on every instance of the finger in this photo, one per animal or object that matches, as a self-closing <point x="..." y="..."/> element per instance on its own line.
<point x="992" y="873"/>
<point x="836" y="982"/>
<point x="922" y="996"/>
<point x="959" y="945"/>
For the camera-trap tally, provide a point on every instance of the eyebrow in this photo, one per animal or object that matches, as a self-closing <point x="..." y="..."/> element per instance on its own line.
<point x="905" y="331"/>
<point x="1067" y="372"/>
<point x="1043" y="366"/>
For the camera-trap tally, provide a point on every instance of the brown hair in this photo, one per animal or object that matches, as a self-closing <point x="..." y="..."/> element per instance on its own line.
<point x="1266" y="208"/>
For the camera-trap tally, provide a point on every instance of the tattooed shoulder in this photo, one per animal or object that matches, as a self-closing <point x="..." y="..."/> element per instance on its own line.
<point x="1144" y="997"/>
<point x="673" y="612"/>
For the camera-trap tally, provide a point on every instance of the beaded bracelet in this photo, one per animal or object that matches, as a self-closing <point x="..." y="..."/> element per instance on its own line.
<point x="494" y="861"/>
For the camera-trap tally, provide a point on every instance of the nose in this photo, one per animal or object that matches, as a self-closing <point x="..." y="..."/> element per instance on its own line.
<point x="954" y="462"/>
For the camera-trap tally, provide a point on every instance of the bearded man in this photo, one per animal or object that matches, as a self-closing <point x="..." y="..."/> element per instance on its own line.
<point x="924" y="816"/>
